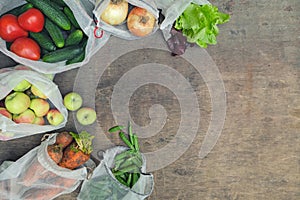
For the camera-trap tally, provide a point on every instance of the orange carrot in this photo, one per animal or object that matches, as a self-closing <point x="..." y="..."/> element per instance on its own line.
<point x="64" y="139"/>
<point x="32" y="173"/>
<point x="55" y="152"/>
<point x="78" y="152"/>
<point x="73" y="158"/>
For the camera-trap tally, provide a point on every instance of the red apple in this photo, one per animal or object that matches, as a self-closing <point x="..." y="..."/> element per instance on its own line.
<point x="5" y="113"/>
<point x="140" y="22"/>
<point x="38" y="121"/>
<point x="54" y="117"/>
<point x="35" y="91"/>
<point x="25" y="117"/>
<point x="17" y="102"/>
<point x="39" y="106"/>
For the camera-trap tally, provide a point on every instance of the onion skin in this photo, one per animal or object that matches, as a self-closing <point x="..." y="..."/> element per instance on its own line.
<point x="115" y="13"/>
<point x="140" y="22"/>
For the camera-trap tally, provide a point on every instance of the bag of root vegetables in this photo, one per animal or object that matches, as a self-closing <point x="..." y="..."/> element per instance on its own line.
<point x="67" y="37"/>
<point x="30" y="103"/>
<point x="127" y="19"/>
<point x="38" y="176"/>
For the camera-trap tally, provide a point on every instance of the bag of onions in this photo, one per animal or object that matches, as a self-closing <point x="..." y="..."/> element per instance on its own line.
<point x="127" y="19"/>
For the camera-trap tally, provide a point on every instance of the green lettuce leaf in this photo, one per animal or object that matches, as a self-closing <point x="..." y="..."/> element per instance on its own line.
<point x="199" y="23"/>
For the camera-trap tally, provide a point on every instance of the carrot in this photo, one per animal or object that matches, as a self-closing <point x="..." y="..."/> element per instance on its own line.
<point x="64" y="139"/>
<point x="78" y="152"/>
<point x="55" y="152"/>
<point x="32" y="173"/>
<point x="41" y="194"/>
<point x="73" y="158"/>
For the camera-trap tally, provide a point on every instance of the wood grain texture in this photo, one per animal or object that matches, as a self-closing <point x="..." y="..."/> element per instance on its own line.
<point x="258" y="153"/>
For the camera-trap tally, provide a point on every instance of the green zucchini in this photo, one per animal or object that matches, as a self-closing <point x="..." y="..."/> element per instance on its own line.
<point x="43" y="40"/>
<point x="75" y="37"/>
<point x="55" y="33"/>
<point x="66" y="53"/>
<point x="50" y="10"/>
<point x="71" y="17"/>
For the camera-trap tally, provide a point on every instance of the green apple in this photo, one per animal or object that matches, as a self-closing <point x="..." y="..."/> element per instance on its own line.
<point x="22" y="86"/>
<point x="39" y="106"/>
<point x="17" y="102"/>
<point x="54" y="117"/>
<point x="35" y="91"/>
<point x="86" y="116"/>
<point x="25" y="117"/>
<point x="38" y="121"/>
<point x="5" y="113"/>
<point x="72" y="101"/>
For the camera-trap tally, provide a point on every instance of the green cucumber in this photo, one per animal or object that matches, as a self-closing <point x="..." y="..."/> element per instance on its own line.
<point x="43" y="40"/>
<point x="66" y="53"/>
<point x="61" y="3"/>
<point x="77" y="59"/>
<point x="55" y="33"/>
<point x="71" y="17"/>
<point x="75" y="37"/>
<point x="50" y="10"/>
<point x="20" y="9"/>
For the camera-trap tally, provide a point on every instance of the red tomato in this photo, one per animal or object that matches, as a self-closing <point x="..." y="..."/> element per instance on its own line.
<point x="26" y="48"/>
<point x="32" y="20"/>
<point x="10" y="28"/>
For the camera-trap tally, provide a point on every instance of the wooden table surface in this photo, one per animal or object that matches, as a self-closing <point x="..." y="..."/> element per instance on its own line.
<point x="258" y="153"/>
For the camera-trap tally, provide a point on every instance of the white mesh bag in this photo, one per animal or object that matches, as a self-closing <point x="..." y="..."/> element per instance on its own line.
<point x="82" y="10"/>
<point x="36" y="176"/>
<point x="9" y="78"/>
<point x="103" y="184"/>
<point x="121" y="30"/>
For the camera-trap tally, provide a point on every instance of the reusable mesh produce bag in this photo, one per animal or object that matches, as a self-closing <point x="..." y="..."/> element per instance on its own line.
<point x="121" y="30"/>
<point x="9" y="78"/>
<point x="103" y="184"/>
<point x="36" y="176"/>
<point x="82" y="10"/>
<point x="172" y="9"/>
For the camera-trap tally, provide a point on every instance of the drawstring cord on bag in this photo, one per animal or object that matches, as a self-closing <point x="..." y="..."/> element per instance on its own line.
<point x="96" y="31"/>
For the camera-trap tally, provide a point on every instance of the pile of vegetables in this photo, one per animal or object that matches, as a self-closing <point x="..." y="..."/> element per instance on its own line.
<point x="127" y="164"/>
<point x="71" y="150"/>
<point x="140" y="22"/>
<point x="197" y="24"/>
<point x="44" y="30"/>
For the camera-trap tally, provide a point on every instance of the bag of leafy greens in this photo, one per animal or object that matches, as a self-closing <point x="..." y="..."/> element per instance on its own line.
<point x="191" y="21"/>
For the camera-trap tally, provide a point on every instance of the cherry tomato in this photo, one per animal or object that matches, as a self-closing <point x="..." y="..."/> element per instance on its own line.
<point x="26" y="48"/>
<point x="32" y="20"/>
<point x="10" y="28"/>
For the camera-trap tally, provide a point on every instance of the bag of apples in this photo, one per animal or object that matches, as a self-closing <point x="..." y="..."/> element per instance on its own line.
<point x="49" y="36"/>
<point x="30" y="103"/>
<point x="38" y="174"/>
<point x="127" y="19"/>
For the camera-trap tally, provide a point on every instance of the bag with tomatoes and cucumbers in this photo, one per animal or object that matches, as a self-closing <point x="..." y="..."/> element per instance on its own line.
<point x="50" y="36"/>
<point x="37" y="174"/>
<point x="127" y="19"/>
<point x="30" y="103"/>
<point x="190" y="22"/>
